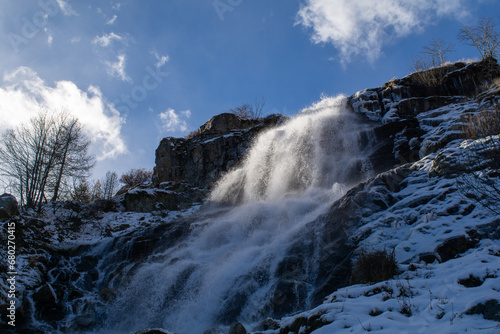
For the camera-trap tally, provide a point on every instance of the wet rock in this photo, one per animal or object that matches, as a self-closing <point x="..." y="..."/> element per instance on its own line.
<point x="8" y="206"/>
<point x="152" y="331"/>
<point x="237" y="328"/>
<point x="45" y="295"/>
<point x="83" y="322"/>
<point x="289" y="296"/>
<point x="87" y="263"/>
<point x="46" y="304"/>
<point x="107" y="294"/>
<point x="270" y="324"/>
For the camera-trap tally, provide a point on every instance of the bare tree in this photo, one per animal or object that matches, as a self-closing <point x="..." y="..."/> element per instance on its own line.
<point x="437" y="51"/>
<point x="249" y="111"/>
<point x="426" y="66"/>
<point x="483" y="37"/>
<point x="73" y="158"/>
<point x="40" y="153"/>
<point x="110" y="185"/>
<point x="135" y="177"/>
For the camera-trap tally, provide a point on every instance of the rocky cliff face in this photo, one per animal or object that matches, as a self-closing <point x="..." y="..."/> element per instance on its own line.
<point x="402" y="108"/>
<point x="201" y="159"/>
<point x="186" y="168"/>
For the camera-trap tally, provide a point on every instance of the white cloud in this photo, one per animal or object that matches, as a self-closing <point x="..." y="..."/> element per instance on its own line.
<point x="105" y="40"/>
<point x="161" y="60"/>
<point x="363" y="27"/>
<point x="174" y="122"/>
<point x="117" y="69"/>
<point x="66" y="8"/>
<point x="25" y="94"/>
<point x="112" y="20"/>
<point x="50" y="37"/>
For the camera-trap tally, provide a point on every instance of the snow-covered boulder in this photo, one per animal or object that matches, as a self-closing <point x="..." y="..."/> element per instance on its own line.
<point x="8" y="206"/>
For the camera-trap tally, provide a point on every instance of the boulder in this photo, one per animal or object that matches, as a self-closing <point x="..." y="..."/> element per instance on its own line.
<point x="223" y="123"/>
<point x="490" y="310"/>
<point x="84" y="321"/>
<point x="8" y="206"/>
<point x="453" y="247"/>
<point x="46" y="304"/>
<point x="237" y="328"/>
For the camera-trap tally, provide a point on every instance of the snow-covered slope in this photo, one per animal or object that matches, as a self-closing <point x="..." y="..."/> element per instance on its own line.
<point x="448" y="250"/>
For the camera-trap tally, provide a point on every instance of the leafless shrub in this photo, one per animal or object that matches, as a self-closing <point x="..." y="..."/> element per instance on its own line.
<point x="249" y="111"/>
<point x="136" y="176"/>
<point x="374" y="267"/>
<point x="483" y="124"/>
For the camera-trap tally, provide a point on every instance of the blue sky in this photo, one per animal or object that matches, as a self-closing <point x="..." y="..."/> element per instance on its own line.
<point x="137" y="71"/>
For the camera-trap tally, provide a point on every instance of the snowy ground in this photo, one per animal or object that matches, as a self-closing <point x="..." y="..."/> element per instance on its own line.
<point x="424" y="297"/>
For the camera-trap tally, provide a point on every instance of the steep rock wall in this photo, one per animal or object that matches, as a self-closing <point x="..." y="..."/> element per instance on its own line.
<point x="201" y="159"/>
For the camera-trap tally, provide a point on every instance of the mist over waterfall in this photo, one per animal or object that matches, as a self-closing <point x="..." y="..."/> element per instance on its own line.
<point x="240" y="259"/>
<point x="318" y="149"/>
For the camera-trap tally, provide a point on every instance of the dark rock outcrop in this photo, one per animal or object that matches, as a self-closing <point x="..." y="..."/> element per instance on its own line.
<point x="490" y="310"/>
<point x="200" y="160"/>
<point x="166" y="196"/>
<point x="398" y="104"/>
<point x="47" y="304"/>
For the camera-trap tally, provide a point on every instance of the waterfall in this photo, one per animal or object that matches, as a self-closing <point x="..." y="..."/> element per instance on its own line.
<point x="318" y="149"/>
<point x="243" y="257"/>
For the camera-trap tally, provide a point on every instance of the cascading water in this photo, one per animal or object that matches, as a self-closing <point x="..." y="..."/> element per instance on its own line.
<point x="236" y="262"/>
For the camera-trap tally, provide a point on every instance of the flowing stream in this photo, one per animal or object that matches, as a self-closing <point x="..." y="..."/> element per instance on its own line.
<point x="236" y="262"/>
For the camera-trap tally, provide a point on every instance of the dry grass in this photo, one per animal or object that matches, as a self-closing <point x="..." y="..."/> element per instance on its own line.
<point x="482" y="160"/>
<point x="374" y="267"/>
<point x="483" y="124"/>
<point x="496" y="82"/>
<point x="193" y="134"/>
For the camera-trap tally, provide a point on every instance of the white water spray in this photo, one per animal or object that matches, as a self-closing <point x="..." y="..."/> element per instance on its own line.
<point x="317" y="149"/>
<point x="230" y="268"/>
